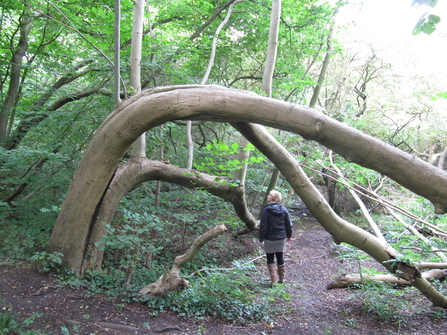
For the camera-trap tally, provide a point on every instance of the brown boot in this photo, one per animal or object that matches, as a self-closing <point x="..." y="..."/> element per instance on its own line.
<point x="281" y="273"/>
<point x="272" y="271"/>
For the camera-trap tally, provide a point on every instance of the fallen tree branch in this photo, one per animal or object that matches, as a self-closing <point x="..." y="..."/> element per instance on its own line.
<point x="344" y="280"/>
<point x="222" y="269"/>
<point x="375" y="197"/>
<point x="420" y="249"/>
<point x="371" y="222"/>
<point x="431" y="265"/>
<point x="171" y="281"/>
<point x="140" y="169"/>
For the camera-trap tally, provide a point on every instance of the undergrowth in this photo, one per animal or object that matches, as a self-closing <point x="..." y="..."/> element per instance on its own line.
<point x="387" y="302"/>
<point x="232" y="295"/>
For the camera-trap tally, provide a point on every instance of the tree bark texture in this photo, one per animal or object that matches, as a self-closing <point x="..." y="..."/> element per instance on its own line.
<point x="152" y="108"/>
<point x="140" y="169"/>
<point x="139" y="146"/>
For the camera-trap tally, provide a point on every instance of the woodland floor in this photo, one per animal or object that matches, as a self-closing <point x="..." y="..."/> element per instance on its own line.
<point x="314" y="309"/>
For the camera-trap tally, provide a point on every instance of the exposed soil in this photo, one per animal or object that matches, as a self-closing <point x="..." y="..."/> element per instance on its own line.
<point x="311" y="266"/>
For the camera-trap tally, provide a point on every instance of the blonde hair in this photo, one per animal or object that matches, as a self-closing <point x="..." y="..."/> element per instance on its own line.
<point x="276" y="196"/>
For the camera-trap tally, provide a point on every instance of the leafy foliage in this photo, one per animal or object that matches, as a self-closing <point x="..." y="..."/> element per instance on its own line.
<point x="46" y="262"/>
<point x="427" y="24"/>
<point x="218" y="161"/>
<point x="232" y="295"/>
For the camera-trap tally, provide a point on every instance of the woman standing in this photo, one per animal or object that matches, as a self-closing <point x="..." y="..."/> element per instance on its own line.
<point x="275" y="230"/>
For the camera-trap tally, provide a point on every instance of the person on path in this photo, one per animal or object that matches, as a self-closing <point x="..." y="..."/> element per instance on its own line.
<point x="275" y="231"/>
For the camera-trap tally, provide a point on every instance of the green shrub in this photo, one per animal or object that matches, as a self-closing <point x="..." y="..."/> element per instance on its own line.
<point x="46" y="262"/>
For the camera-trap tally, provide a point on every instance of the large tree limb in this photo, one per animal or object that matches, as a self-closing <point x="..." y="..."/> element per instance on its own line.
<point x="340" y="230"/>
<point x="152" y="108"/>
<point x="140" y="169"/>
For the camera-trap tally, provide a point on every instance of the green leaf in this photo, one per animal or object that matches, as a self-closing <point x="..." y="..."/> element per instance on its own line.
<point x="434" y="19"/>
<point x="428" y="28"/>
<point x="222" y="146"/>
<point x="430" y="3"/>
<point x="250" y="147"/>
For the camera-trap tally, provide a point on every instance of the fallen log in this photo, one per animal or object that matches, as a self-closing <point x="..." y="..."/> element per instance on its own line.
<point x="171" y="281"/>
<point x="346" y="280"/>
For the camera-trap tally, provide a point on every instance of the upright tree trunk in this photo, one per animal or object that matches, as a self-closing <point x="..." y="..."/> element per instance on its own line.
<point x="139" y="146"/>
<point x="117" y="58"/>
<point x="272" y="48"/>
<point x="189" y="141"/>
<point x="441" y="162"/>
<point x="267" y="77"/>
<point x="327" y="58"/>
<point x="14" y="81"/>
<point x="243" y="156"/>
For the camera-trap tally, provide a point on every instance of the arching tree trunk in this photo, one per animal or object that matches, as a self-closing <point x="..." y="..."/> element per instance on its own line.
<point x="140" y="169"/>
<point x="152" y="108"/>
<point x="341" y="230"/>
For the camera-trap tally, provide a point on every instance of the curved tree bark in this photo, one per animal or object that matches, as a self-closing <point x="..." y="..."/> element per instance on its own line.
<point x="341" y="230"/>
<point x="152" y="108"/>
<point x="140" y="169"/>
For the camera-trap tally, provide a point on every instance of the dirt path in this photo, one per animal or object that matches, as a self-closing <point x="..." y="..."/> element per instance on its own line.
<point x="315" y="310"/>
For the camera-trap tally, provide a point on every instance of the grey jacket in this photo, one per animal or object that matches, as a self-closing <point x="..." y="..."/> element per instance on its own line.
<point x="275" y="223"/>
